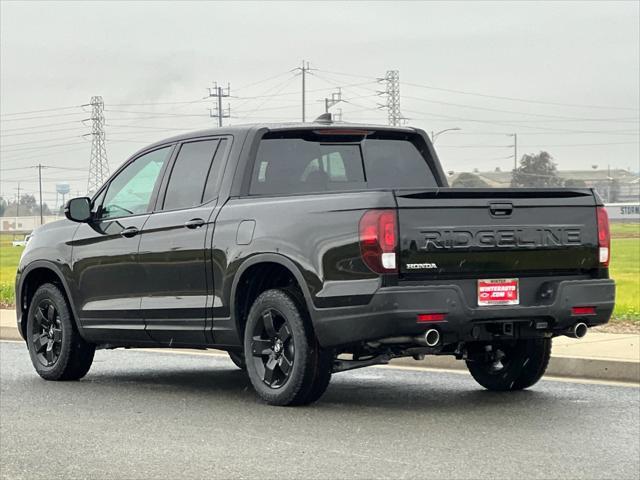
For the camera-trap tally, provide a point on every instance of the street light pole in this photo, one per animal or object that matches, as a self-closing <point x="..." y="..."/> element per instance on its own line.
<point x="437" y="134"/>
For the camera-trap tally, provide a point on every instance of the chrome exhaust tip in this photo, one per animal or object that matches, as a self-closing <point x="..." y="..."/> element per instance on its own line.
<point x="432" y="337"/>
<point x="580" y="330"/>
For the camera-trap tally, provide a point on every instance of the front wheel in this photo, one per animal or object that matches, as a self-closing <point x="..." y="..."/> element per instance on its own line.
<point x="512" y="365"/>
<point x="56" y="349"/>
<point x="284" y="362"/>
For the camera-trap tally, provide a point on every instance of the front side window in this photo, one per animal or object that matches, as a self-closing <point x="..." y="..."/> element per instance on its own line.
<point x="189" y="174"/>
<point x="129" y="193"/>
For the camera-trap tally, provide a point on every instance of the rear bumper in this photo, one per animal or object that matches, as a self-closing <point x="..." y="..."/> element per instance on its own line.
<point x="393" y="312"/>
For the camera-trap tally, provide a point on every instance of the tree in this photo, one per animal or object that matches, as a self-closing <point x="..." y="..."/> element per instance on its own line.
<point x="536" y="171"/>
<point x="469" y="180"/>
<point x="28" y="202"/>
<point x="3" y="206"/>
<point x="573" y="183"/>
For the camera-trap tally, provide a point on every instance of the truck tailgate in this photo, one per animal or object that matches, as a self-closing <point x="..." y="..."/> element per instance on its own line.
<point x="484" y="233"/>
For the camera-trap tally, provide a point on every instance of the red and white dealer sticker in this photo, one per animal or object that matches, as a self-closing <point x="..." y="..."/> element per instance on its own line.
<point x="499" y="291"/>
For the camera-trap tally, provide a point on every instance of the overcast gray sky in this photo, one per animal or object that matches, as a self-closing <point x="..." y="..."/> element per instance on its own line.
<point x="571" y="71"/>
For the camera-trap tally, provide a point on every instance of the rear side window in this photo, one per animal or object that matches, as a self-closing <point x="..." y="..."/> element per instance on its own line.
<point x="215" y="172"/>
<point x="306" y="162"/>
<point x="189" y="174"/>
<point x="295" y="165"/>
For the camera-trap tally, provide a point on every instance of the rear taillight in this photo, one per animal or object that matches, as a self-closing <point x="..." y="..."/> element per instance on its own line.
<point x="378" y="240"/>
<point x="604" y="237"/>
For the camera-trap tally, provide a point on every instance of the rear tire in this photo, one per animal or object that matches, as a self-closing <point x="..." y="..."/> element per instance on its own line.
<point x="57" y="350"/>
<point x="514" y="367"/>
<point x="284" y="361"/>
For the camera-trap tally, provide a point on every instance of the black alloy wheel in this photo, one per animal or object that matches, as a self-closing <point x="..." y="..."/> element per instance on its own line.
<point x="284" y="360"/>
<point x="273" y="348"/>
<point x="46" y="333"/>
<point x="56" y="349"/>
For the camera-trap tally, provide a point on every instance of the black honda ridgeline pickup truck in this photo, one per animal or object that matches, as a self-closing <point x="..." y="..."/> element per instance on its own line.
<point x="305" y="250"/>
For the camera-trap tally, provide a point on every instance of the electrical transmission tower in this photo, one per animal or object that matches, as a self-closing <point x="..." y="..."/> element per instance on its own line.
<point x="392" y="79"/>
<point x="217" y="111"/>
<point x="98" y="164"/>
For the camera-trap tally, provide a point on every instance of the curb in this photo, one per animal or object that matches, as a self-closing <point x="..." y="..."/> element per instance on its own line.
<point x="568" y="367"/>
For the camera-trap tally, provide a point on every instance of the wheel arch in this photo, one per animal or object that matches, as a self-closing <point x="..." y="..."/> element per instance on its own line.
<point x="33" y="276"/>
<point x="262" y="272"/>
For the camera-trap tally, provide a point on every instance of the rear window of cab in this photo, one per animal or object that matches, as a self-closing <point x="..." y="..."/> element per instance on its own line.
<point x="313" y="162"/>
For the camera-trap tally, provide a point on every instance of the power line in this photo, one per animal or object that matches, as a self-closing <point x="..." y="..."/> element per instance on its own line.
<point x="40" y="116"/>
<point x="42" y="141"/>
<point x="39" y="133"/>
<point x="156" y="114"/>
<point x="42" y="147"/>
<point x="499" y="97"/>
<point x="523" y="100"/>
<point x="39" y="111"/>
<point x="263" y="81"/>
<point x="31" y="127"/>
<point x="557" y="117"/>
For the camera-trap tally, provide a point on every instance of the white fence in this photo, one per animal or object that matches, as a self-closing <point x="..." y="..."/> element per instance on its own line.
<point x="628" y="212"/>
<point x="24" y="224"/>
<point x="625" y="212"/>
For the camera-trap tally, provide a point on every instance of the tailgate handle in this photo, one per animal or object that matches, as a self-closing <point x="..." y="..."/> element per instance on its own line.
<point x="501" y="209"/>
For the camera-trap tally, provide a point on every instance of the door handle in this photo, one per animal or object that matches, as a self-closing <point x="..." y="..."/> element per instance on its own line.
<point x="194" y="223"/>
<point x="129" y="232"/>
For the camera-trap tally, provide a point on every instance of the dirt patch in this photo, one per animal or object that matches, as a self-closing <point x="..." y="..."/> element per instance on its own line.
<point x="619" y="326"/>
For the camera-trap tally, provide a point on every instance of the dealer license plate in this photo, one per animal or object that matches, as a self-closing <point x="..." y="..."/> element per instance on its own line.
<point x="498" y="291"/>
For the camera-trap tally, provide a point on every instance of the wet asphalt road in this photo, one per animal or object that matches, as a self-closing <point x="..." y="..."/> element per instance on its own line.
<point x="162" y="415"/>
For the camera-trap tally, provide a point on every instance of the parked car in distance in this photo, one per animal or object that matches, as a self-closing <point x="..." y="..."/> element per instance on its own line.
<point x="21" y="243"/>
<point x="310" y="249"/>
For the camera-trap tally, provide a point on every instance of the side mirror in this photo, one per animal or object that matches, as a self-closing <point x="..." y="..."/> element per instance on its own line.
<point x="78" y="209"/>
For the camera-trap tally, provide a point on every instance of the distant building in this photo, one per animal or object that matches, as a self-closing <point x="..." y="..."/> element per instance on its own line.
<point x="617" y="185"/>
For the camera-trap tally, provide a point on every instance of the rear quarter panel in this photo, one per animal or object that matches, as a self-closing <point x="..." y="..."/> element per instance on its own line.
<point x="318" y="233"/>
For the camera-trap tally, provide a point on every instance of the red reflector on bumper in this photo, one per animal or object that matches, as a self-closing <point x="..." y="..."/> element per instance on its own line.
<point x="431" y="317"/>
<point x="583" y="311"/>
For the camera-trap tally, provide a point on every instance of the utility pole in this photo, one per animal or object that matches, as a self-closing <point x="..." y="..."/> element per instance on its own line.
<point x="515" y="150"/>
<point x="40" y="183"/>
<point x="220" y="93"/>
<point x="304" y="70"/>
<point x="17" y="211"/>
<point x="98" y="164"/>
<point x="392" y="91"/>
<point x="336" y="97"/>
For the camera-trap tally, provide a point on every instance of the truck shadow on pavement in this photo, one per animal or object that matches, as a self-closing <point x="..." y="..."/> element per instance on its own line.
<point x="427" y="391"/>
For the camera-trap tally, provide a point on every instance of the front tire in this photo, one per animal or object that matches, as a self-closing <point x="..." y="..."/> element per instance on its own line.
<point x="512" y="366"/>
<point x="56" y="349"/>
<point x="284" y="362"/>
